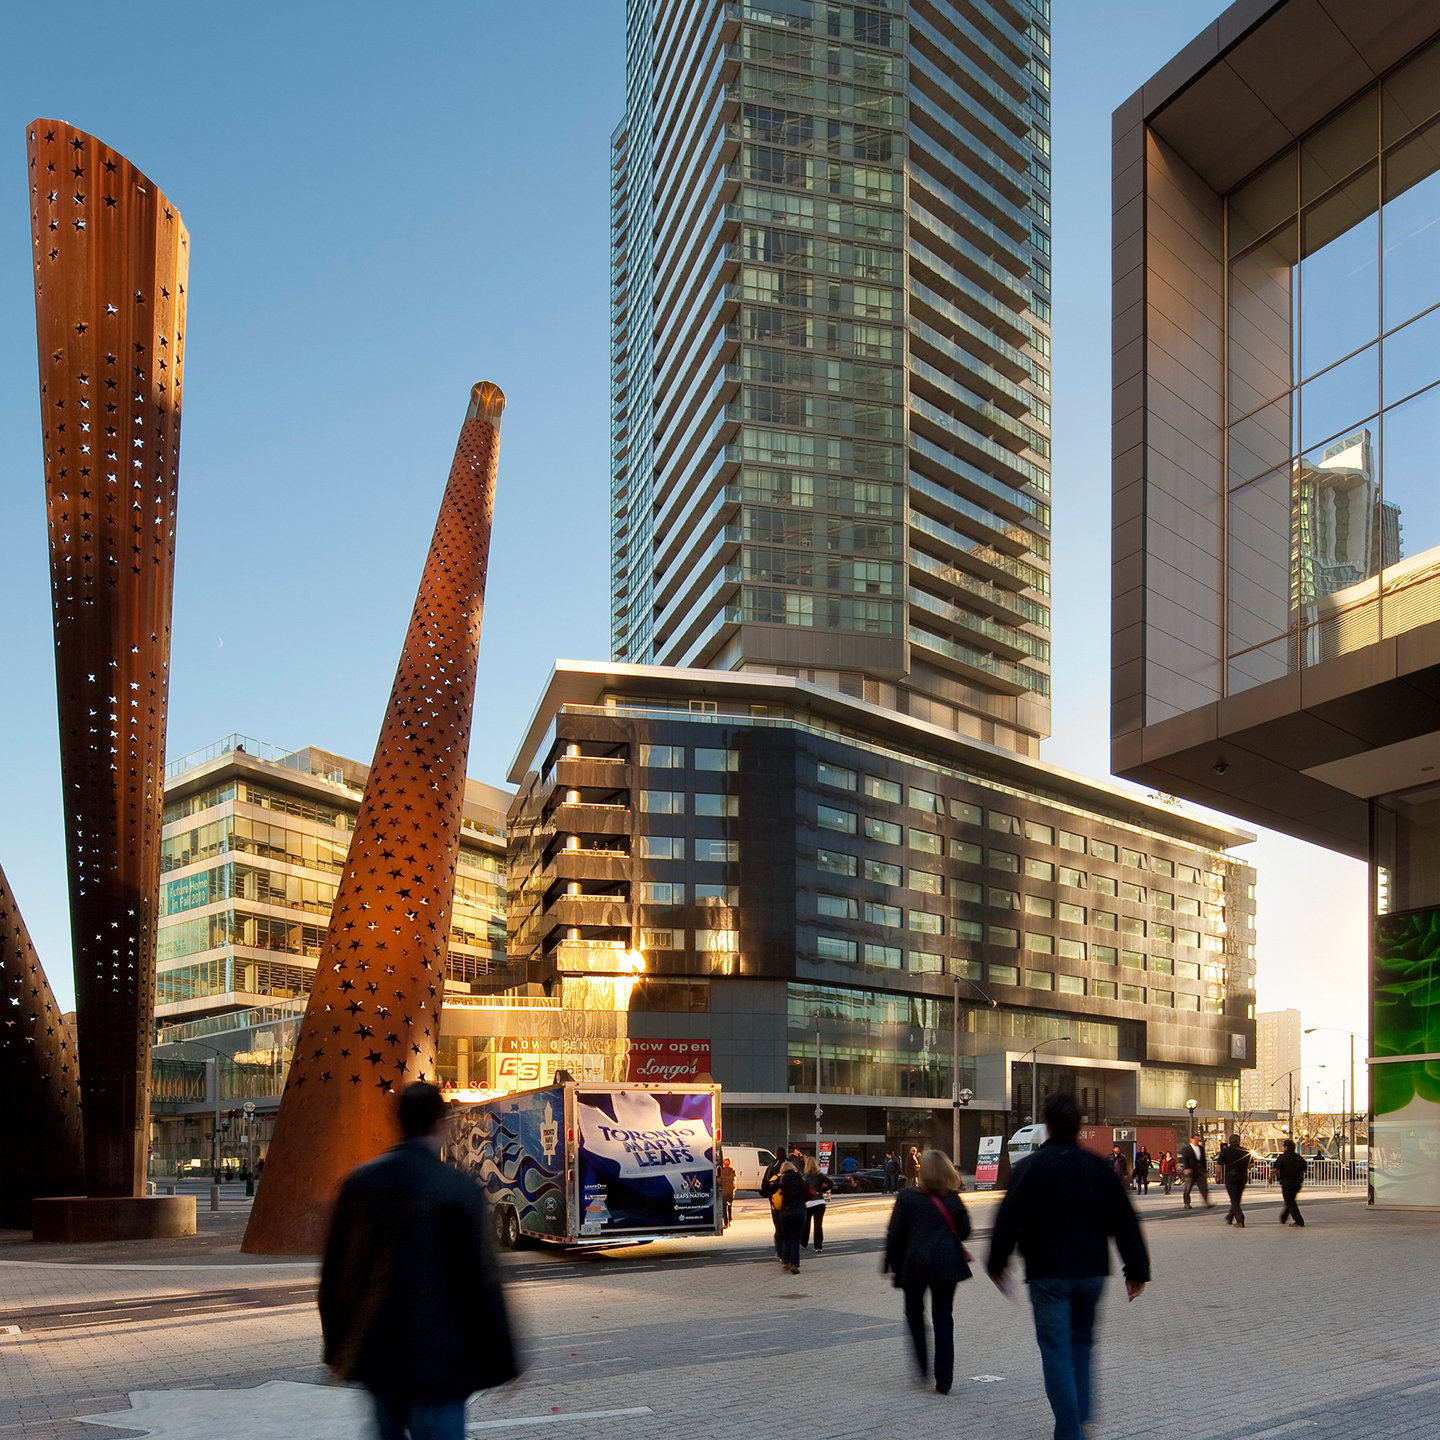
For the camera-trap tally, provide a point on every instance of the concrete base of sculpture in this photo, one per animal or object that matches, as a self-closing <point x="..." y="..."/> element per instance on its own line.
<point x="118" y="1217"/>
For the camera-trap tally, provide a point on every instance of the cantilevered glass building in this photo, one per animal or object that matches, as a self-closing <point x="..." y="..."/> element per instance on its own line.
<point x="830" y="351"/>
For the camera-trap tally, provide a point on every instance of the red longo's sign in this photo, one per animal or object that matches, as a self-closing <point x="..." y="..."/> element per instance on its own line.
<point x="667" y="1060"/>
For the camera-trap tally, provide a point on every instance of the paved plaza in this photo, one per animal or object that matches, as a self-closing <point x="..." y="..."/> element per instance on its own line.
<point x="1265" y="1332"/>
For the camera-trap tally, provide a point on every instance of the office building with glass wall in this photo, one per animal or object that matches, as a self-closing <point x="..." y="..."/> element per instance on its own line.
<point x="830" y="447"/>
<point x="811" y="878"/>
<point x="1276" y="558"/>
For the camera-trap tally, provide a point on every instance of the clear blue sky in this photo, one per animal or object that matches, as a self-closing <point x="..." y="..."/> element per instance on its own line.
<point x="385" y="206"/>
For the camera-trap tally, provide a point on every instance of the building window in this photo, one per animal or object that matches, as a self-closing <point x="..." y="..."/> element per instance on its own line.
<point x="1129" y="925"/>
<point x="1039" y="869"/>
<point x="707" y="804"/>
<point x="717" y="759"/>
<point x="1161" y="867"/>
<point x="1161" y="932"/>
<point x="1132" y="959"/>
<point x="878" y="789"/>
<point x="835" y="776"/>
<point x="1190" y="1002"/>
<point x="1070" y="984"/>
<point x="838" y="907"/>
<point x="662" y="940"/>
<point x="661" y="892"/>
<point x="1004" y="974"/>
<point x="1103" y="850"/>
<point x="967" y="930"/>
<point x="967" y="851"/>
<point x="717" y="850"/>
<point x="662" y="847"/>
<point x="1005" y="938"/>
<point x="1188" y="969"/>
<point x="966" y="890"/>
<point x="1069" y="840"/>
<point x="926" y="962"/>
<point x="713" y="942"/>
<point x="835" y="862"/>
<point x="1041" y="834"/>
<point x="831" y="947"/>
<point x="1004" y="860"/>
<point x="1070" y="949"/>
<point x="1072" y="914"/>
<point x="927" y="882"/>
<point x="926" y="923"/>
<point x="878" y="914"/>
<point x="1162" y="900"/>
<point x="1038" y="905"/>
<point x="1104" y="920"/>
<point x="1104" y="989"/>
<point x="1075" y="879"/>
<point x="1005" y="824"/>
<point x="1135" y="994"/>
<point x="1106" y="955"/>
<point x="1135" y="893"/>
<point x="1188" y="937"/>
<point x="882" y="873"/>
<point x="1162" y="965"/>
<point x="967" y="969"/>
<point x="881" y="830"/>
<point x="1188" y="906"/>
<point x="1133" y="858"/>
<point x="662" y="757"/>
<point x="721" y="894"/>
<point x="1004" y="899"/>
<point x="924" y="840"/>
<point x="884" y="955"/>
<point x="1105" y="885"/>
<point x="927" y="801"/>
<point x="1190" y="874"/>
<point x="1039" y="980"/>
<point x="1040" y="944"/>
<point x="967" y="813"/>
<point x="829" y="819"/>
<point x="663" y="802"/>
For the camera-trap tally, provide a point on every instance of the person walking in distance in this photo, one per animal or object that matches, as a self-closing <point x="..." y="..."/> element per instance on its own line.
<point x="727" y="1189"/>
<point x="925" y="1250"/>
<point x="1143" y="1166"/>
<point x="1167" y="1171"/>
<point x="912" y="1166"/>
<point x="1234" y="1162"/>
<point x="786" y="1194"/>
<point x="1192" y="1170"/>
<point x="411" y="1304"/>
<point x="1062" y="1209"/>
<point x="1290" y="1171"/>
<point x="1120" y="1165"/>
<point x="891" y="1168"/>
<point x="767" y="1189"/>
<point x="817" y="1186"/>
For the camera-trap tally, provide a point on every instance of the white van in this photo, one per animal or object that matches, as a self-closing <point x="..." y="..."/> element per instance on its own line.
<point x="1025" y="1141"/>
<point x="748" y="1163"/>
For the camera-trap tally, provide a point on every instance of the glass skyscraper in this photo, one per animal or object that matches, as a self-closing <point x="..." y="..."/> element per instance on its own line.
<point x="830" y="351"/>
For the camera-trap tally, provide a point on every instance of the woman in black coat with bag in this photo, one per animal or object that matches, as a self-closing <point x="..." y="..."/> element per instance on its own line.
<point x="925" y="1250"/>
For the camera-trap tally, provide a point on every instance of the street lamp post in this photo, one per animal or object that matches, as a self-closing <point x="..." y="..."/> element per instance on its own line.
<point x="1350" y="1114"/>
<point x="955" y="1093"/>
<point x="1034" y="1053"/>
<point x="819" y="1113"/>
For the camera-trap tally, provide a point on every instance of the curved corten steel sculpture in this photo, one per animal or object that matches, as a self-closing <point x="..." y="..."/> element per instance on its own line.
<point x="111" y="259"/>
<point x="40" y="1119"/>
<point x="373" y="1019"/>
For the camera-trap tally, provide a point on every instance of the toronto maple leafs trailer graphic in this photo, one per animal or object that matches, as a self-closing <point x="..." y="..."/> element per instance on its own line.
<point x="595" y="1164"/>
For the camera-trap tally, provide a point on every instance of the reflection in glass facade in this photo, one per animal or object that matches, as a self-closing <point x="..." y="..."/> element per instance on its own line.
<point x="830" y="446"/>
<point x="1333" y="384"/>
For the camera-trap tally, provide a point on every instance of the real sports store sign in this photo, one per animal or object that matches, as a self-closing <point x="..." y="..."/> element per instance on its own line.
<point x="659" y="1062"/>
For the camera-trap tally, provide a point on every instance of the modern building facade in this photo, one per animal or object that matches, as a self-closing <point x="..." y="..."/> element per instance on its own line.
<point x="801" y="869"/>
<point x="251" y="853"/>
<point x="1277" y="1055"/>
<point x="830" y="351"/>
<point x="1276" y="605"/>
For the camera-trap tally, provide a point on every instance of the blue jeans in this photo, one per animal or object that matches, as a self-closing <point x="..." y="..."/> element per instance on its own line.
<point x="1065" y="1328"/>
<point x="400" y="1418"/>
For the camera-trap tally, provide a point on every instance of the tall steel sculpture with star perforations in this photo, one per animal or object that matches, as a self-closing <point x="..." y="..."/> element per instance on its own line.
<point x="40" y="1119"/>
<point x="373" y="1020"/>
<point x="111" y="258"/>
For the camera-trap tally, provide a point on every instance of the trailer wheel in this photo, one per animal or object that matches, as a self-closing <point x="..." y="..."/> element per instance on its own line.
<point x="512" y="1229"/>
<point x="499" y="1222"/>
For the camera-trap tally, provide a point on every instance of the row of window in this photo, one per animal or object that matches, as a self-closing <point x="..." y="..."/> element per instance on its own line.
<point x="672" y="757"/>
<point x="672" y="802"/>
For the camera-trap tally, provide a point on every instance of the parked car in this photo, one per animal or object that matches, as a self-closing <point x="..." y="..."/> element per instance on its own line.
<point x="860" y="1182"/>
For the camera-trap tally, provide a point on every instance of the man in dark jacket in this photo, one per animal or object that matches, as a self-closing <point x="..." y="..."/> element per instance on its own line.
<point x="767" y="1189"/>
<point x="1290" y="1171"/>
<point x="410" y="1298"/>
<point x="892" y="1172"/>
<point x="1062" y="1209"/>
<point x="1234" y="1163"/>
<point x="1192" y="1168"/>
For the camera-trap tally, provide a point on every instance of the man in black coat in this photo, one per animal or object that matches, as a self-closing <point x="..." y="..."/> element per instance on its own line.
<point x="1234" y="1163"/>
<point x="767" y="1189"/>
<point x="1063" y="1207"/>
<point x="892" y="1172"/>
<point x="1290" y="1171"/>
<point x="1192" y="1168"/>
<point x="410" y="1298"/>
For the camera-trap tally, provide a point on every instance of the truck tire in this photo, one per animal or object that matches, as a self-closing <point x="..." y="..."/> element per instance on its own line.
<point x="512" y="1229"/>
<point x="498" y="1219"/>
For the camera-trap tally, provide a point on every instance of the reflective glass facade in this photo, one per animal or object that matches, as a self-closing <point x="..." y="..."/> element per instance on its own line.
<point x="830" y="342"/>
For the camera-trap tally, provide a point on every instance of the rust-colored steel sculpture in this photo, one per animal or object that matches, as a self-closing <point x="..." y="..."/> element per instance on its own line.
<point x="39" y="1078"/>
<point x="111" y="259"/>
<point x="373" y="1020"/>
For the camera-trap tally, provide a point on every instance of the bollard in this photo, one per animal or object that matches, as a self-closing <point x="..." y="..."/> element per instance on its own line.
<point x="214" y="1197"/>
<point x="170" y="1189"/>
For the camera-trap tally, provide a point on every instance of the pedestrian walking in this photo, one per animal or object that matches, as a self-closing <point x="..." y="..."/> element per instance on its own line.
<point x="925" y="1250"/>
<point x="727" y="1189"/>
<point x="891" y="1167"/>
<point x="1167" y="1170"/>
<point x="1192" y="1170"/>
<point x="1290" y="1171"/>
<point x="1143" y="1166"/>
<point x="1120" y="1165"/>
<point x="411" y="1304"/>
<point x="912" y="1166"/>
<point x="786" y="1193"/>
<point x="817" y="1186"/>
<point x="1234" y="1164"/>
<point x="767" y="1189"/>
<point x="1063" y="1207"/>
